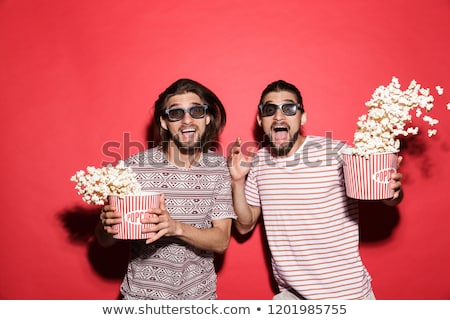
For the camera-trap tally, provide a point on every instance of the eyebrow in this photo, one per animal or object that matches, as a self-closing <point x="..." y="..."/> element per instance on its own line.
<point x="284" y="101"/>
<point x="179" y="104"/>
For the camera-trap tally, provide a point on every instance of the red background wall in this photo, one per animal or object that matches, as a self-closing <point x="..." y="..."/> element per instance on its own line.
<point x="78" y="79"/>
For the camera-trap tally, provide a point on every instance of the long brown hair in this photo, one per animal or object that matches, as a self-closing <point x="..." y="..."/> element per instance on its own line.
<point x="215" y="110"/>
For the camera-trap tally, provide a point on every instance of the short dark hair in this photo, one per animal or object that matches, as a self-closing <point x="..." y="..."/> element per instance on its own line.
<point x="281" y="85"/>
<point x="216" y="109"/>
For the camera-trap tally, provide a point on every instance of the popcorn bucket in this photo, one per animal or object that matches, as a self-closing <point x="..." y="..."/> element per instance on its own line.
<point x="133" y="209"/>
<point x="368" y="178"/>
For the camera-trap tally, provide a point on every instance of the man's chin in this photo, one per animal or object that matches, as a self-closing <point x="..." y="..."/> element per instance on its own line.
<point x="281" y="149"/>
<point x="189" y="148"/>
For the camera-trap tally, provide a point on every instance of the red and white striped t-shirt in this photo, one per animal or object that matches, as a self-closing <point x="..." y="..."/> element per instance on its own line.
<point x="311" y="225"/>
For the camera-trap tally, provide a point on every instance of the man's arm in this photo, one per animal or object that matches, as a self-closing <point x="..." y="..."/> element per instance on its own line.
<point x="239" y="166"/>
<point x="247" y="215"/>
<point x="214" y="239"/>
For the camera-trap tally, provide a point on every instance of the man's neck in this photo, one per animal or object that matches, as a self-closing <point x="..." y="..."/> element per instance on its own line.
<point x="183" y="159"/>
<point x="298" y="143"/>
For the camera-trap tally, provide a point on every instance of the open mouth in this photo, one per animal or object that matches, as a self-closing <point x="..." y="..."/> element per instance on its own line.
<point x="280" y="129"/>
<point x="280" y="133"/>
<point x="188" y="133"/>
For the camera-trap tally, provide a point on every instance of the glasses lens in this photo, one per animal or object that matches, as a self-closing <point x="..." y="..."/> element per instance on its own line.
<point x="289" y="109"/>
<point x="197" y="112"/>
<point x="268" y="110"/>
<point x="175" y="114"/>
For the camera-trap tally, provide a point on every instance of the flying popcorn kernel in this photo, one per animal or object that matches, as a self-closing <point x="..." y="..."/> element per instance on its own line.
<point x="390" y="116"/>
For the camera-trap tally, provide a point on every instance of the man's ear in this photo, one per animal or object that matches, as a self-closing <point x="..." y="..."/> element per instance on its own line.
<point x="163" y="123"/>
<point x="258" y="120"/>
<point x="303" y="118"/>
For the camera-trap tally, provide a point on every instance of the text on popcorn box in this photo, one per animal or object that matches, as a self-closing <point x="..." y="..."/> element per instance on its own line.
<point x="384" y="175"/>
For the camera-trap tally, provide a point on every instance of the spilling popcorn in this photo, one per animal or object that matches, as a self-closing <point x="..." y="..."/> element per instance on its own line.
<point x="390" y="116"/>
<point x="95" y="184"/>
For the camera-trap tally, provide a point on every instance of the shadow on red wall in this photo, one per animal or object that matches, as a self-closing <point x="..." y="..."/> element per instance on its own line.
<point x="377" y="221"/>
<point x="108" y="263"/>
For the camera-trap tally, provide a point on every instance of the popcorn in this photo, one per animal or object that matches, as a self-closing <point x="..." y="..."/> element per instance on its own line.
<point x="390" y="116"/>
<point x="95" y="184"/>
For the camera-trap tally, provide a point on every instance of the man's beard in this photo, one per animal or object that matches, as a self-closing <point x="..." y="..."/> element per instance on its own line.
<point x="284" y="148"/>
<point x="190" y="147"/>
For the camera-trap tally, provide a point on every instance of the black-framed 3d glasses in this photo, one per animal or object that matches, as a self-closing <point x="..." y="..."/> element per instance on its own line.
<point x="177" y="114"/>
<point x="288" y="109"/>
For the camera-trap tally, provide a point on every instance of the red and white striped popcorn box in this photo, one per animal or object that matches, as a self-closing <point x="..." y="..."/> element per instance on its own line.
<point x="133" y="209"/>
<point x="369" y="178"/>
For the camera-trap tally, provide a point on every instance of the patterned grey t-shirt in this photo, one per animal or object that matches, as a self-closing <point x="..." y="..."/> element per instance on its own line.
<point x="170" y="268"/>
